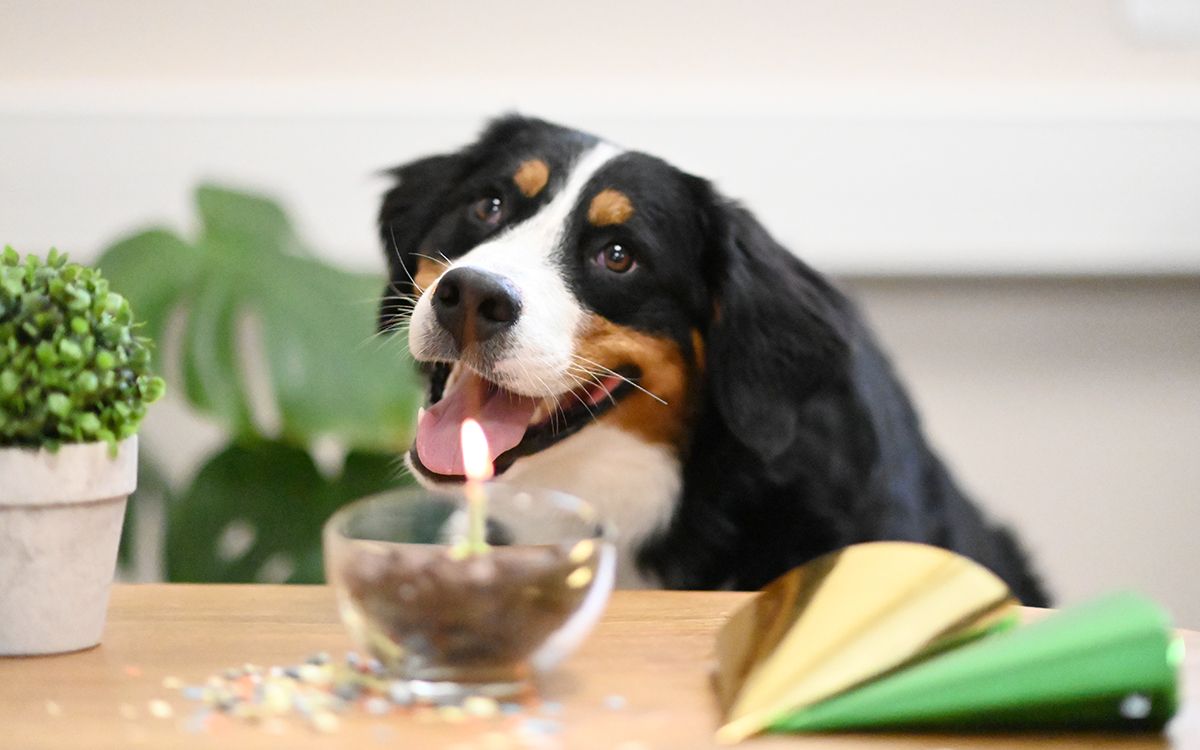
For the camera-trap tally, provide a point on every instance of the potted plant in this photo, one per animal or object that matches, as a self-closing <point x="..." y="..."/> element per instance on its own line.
<point x="74" y="385"/>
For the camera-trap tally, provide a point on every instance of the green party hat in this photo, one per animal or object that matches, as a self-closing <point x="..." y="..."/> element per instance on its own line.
<point x="845" y="619"/>
<point x="1110" y="663"/>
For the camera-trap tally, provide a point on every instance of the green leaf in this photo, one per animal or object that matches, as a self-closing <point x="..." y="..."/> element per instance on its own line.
<point x="330" y="375"/>
<point x="238" y="219"/>
<point x="212" y="379"/>
<point x="255" y="511"/>
<point x="155" y="270"/>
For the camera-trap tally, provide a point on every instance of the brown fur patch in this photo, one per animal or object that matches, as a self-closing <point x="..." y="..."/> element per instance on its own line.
<point x="531" y="177"/>
<point x="665" y="373"/>
<point x="609" y="207"/>
<point x="698" y="349"/>
<point x="427" y="272"/>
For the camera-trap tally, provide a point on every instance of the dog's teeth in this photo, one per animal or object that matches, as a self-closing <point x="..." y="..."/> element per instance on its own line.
<point x="420" y="414"/>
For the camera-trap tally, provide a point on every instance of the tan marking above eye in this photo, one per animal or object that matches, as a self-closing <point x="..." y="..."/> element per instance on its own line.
<point x="531" y="177"/>
<point x="609" y="207"/>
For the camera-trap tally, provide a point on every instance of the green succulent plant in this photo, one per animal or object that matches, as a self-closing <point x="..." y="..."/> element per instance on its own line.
<point x="72" y="369"/>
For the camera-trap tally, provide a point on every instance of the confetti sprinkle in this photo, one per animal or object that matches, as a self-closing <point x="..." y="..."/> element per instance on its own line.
<point x="615" y="702"/>
<point x="160" y="709"/>
<point x="319" y="690"/>
<point x="481" y="707"/>
<point x="451" y="714"/>
<point x="325" y="722"/>
<point x="539" y="727"/>
<point x="54" y="709"/>
<point x="377" y="706"/>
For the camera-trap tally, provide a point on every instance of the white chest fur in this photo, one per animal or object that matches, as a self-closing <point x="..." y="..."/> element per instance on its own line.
<point x="632" y="483"/>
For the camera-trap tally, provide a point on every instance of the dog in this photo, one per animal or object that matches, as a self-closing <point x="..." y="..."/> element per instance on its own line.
<point x="624" y="333"/>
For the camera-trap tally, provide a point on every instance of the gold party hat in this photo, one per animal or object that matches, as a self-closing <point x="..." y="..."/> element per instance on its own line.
<point x="846" y="618"/>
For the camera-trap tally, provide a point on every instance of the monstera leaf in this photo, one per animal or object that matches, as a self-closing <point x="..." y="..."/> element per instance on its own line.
<point x="255" y="512"/>
<point x="329" y="374"/>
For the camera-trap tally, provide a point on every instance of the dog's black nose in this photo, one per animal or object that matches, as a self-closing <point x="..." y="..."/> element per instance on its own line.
<point x="475" y="305"/>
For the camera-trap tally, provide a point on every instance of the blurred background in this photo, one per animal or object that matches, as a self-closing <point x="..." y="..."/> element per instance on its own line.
<point x="1010" y="189"/>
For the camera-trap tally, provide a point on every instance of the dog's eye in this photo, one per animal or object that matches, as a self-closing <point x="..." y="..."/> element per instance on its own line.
<point x="488" y="210"/>
<point x="615" y="258"/>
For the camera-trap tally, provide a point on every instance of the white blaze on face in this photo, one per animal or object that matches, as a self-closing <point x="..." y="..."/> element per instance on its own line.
<point x="537" y="360"/>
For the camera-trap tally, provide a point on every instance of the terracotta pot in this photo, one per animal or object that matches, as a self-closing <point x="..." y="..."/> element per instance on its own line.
<point x="60" y="525"/>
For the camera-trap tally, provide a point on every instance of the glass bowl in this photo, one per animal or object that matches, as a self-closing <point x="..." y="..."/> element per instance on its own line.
<point x="452" y="623"/>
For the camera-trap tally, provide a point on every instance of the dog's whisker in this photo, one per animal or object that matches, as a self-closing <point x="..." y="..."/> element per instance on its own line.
<point x="575" y="393"/>
<point x="396" y="249"/>
<point x="616" y="374"/>
<point x="439" y="261"/>
<point x="593" y="377"/>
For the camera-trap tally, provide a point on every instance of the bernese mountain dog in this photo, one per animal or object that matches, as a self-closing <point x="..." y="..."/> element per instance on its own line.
<point x="624" y="333"/>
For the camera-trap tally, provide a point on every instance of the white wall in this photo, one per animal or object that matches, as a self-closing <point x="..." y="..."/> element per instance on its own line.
<point x="924" y="137"/>
<point x="917" y="137"/>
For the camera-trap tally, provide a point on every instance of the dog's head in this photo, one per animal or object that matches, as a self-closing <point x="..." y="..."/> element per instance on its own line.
<point x="551" y="280"/>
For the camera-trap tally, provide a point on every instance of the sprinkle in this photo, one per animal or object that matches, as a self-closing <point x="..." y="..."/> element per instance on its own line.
<point x="172" y="683"/>
<point x="325" y="722"/>
<point x="132" y="671"/>
<point x="481" y="706"/>
<point x="315" y="675"/>
<point x="377" y="706"/>
<point x="451" y="714"/>
<point x="615" y="702"/>
<point x="540" y="727"/>
<point x="319" y="658"/>
<point x="276" y="698"/>
<point x="128" y="711"/>
<point x="160" y="709"/>
<point x="54" y="709"/>
<point x="510" y="709"/>
<point x="551" y="708"/>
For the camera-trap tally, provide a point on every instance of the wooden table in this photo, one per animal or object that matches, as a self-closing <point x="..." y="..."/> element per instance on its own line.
<point x="652" y="650"/>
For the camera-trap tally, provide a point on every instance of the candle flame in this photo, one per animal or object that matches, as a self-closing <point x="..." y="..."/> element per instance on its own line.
<point x="477" y="462"/>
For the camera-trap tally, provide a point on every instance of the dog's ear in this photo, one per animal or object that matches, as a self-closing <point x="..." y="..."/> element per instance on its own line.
<point x="409" y="210"/>
<point x="778" y="333"/>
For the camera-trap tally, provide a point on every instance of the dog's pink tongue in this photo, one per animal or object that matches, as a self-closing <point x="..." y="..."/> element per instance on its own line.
<point x="503" y="415"/>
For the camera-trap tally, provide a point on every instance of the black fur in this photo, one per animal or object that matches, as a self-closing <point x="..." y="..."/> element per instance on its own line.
<point x="802" y="439"/>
